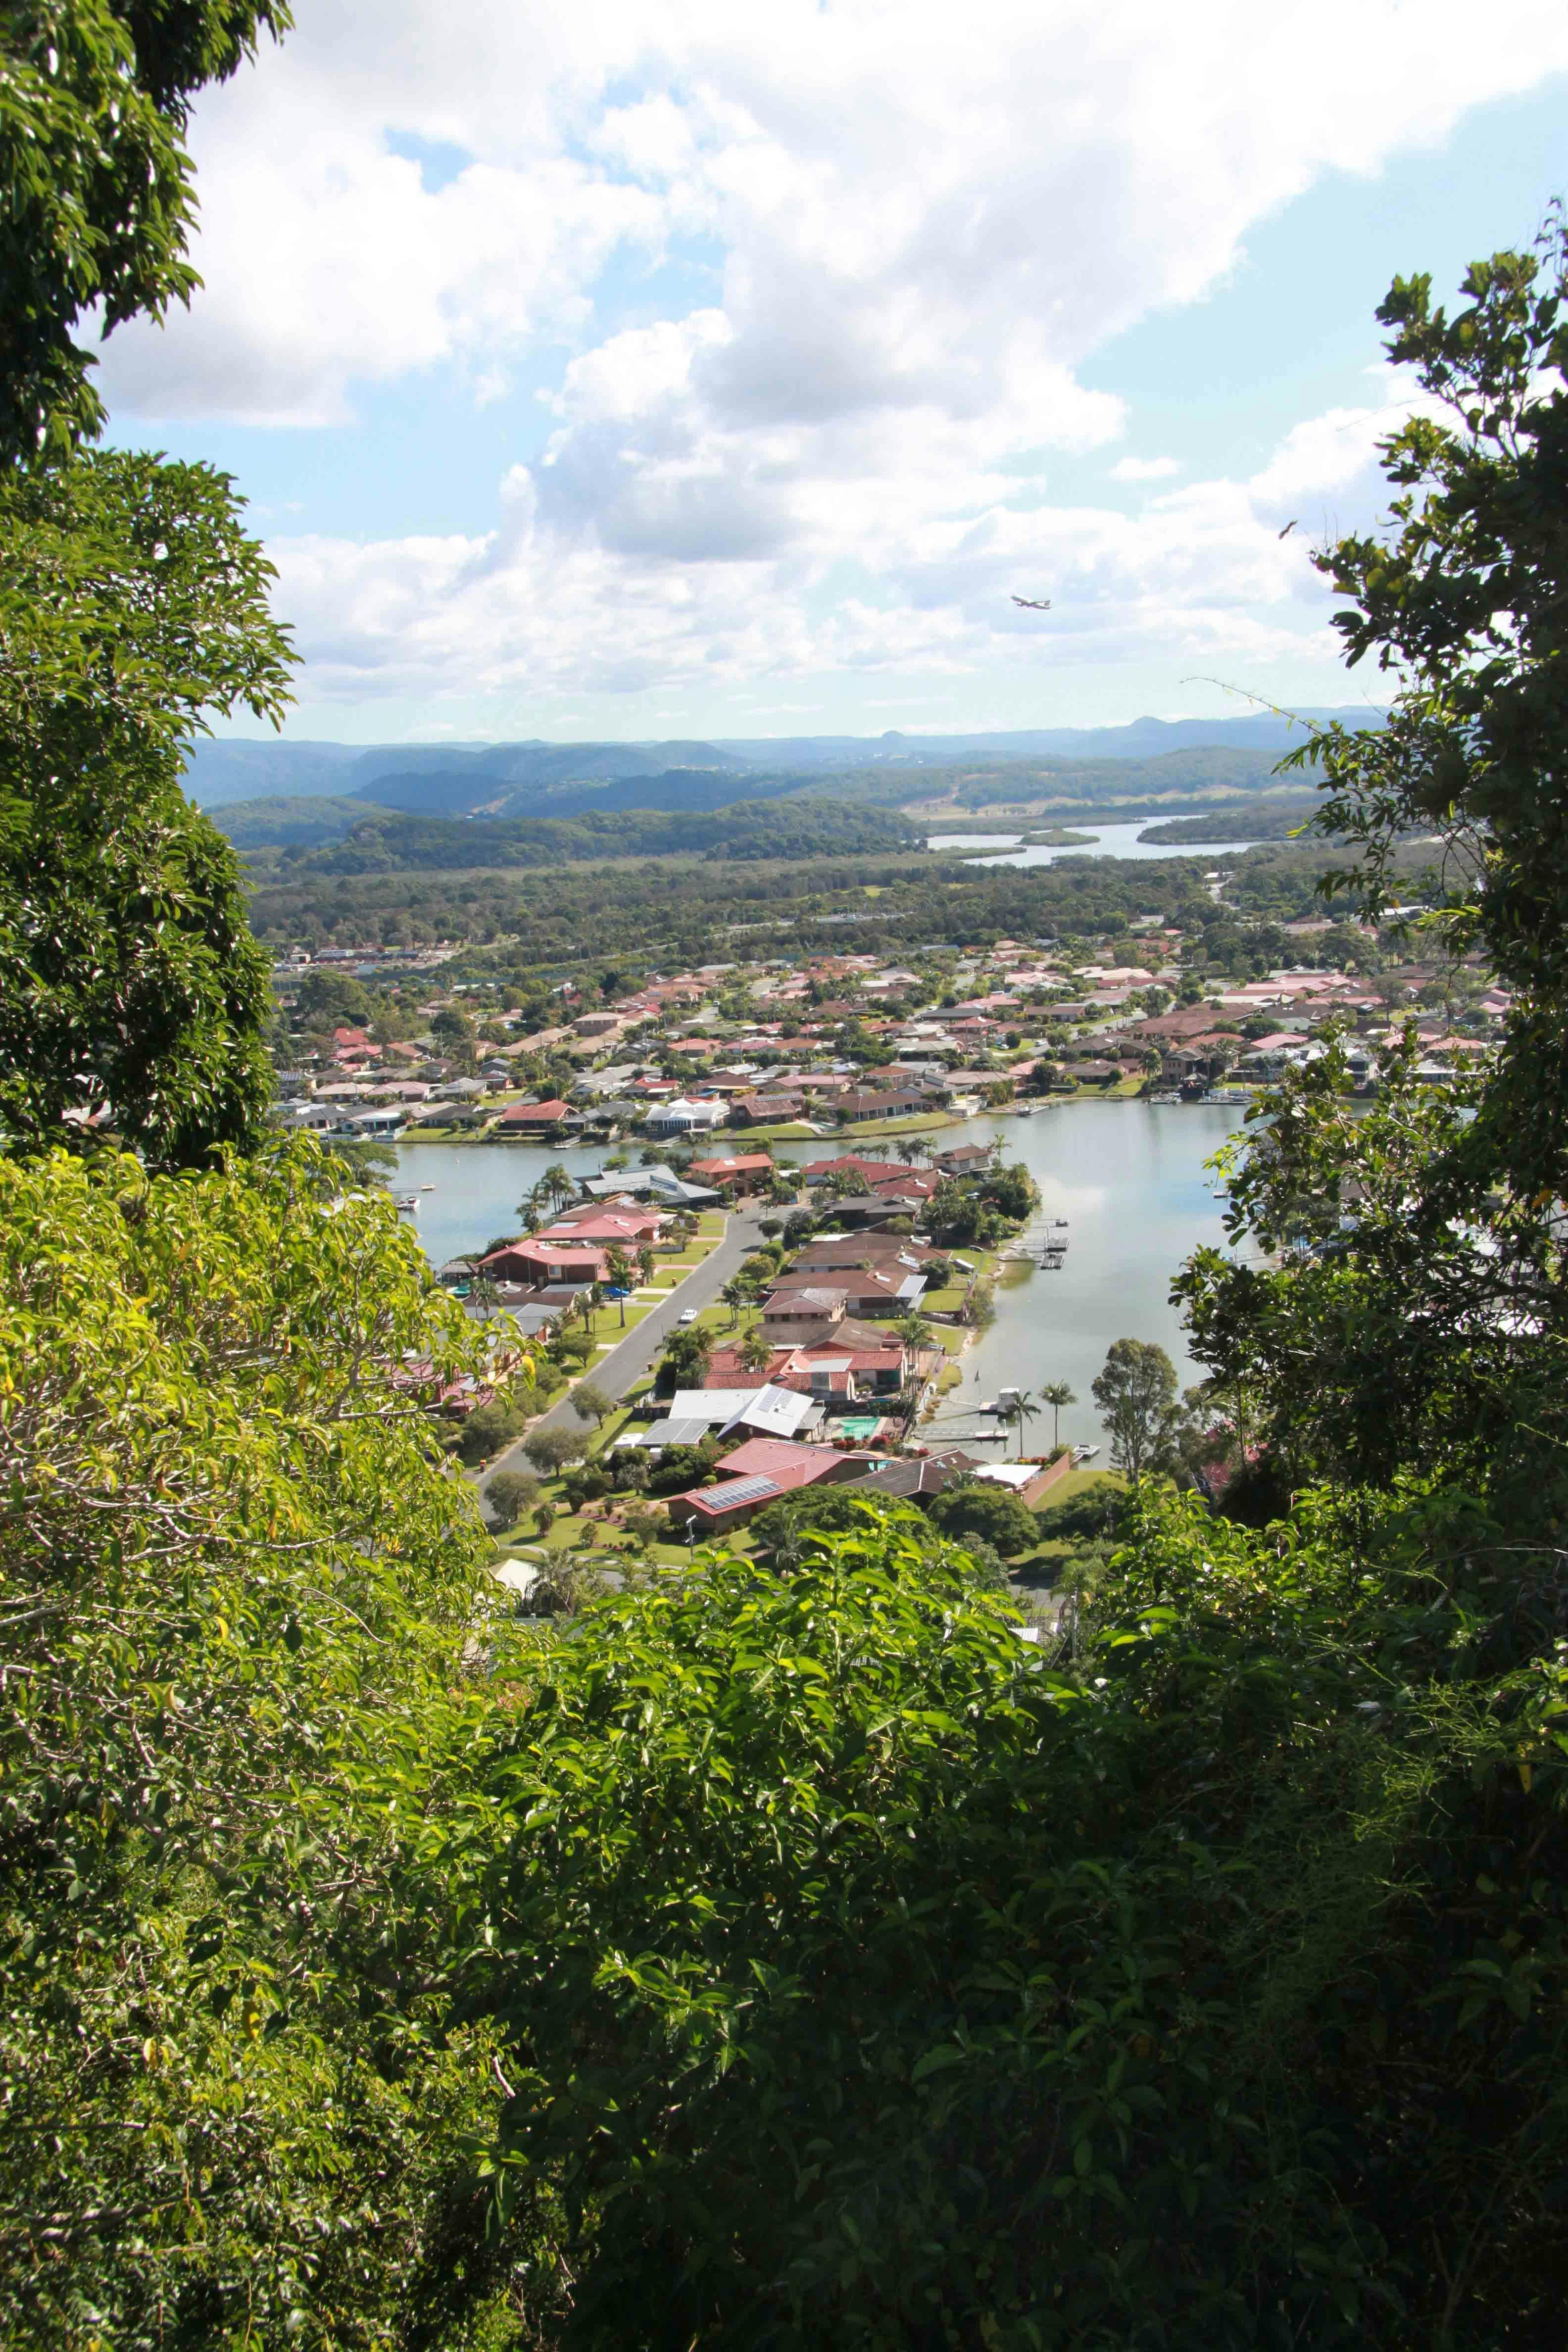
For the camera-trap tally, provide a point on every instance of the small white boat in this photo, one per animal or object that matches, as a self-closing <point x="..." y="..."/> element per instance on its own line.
<point x="405" y="1204"/>
<point x="1084" y="1453"/>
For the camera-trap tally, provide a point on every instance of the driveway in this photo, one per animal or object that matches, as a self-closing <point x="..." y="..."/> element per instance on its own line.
<point x="632" y="1356"/>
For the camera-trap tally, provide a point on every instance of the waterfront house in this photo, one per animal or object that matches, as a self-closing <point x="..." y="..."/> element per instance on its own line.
<point x="739" y="1175"/>
<point x="850" y="1163"/>
<point x="530" y="1119"/>
<point x="913" y="1477"/>
<point x="684" y="1118"/>
<point x="867" y="1290"/>
<point x="796" y="1317"/>
<point x="619" y="1223"/>
<point x="540" y="1264"/>
<point x="836" y="1254"/>
<point x="766" y="1110"/>
<point x="964" y="1160"/>
<point x="900" y="1102"/>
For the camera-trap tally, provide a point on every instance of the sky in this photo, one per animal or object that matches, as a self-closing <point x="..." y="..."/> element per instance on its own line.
<point x="626" y="371"/>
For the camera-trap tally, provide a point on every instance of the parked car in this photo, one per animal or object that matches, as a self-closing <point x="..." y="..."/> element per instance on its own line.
<point x="688" y="1316"/>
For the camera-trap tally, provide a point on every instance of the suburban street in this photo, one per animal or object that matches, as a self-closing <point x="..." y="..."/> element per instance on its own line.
<point x="635" y="1355"/>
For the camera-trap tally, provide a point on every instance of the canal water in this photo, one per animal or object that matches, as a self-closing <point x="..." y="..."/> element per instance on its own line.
<point x="1129" y="1179"/>
<point x="1127" y="1176"/>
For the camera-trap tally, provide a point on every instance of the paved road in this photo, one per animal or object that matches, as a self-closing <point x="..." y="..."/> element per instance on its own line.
<point x="617" y="1371"/>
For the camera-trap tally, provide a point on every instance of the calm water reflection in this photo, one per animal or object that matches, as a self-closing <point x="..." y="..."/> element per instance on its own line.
<point x="1105" y="840"/>
<point x="1127" y="1176"/>
<point x="1129" y="1179"/>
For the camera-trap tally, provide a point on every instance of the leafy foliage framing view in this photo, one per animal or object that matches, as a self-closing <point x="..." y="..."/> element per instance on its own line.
<point x="787" y="1959"/>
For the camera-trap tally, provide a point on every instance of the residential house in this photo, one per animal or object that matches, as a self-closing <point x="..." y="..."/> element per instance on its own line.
<point x="660" y="1183"/>
<point x="867" y="1290"/>
<point x="715" y="1510"/>
<point x="900" y="1102"/>
<point x="540" y="1264"/>
<point x="964" y="1160"/>
<point x="766" y="1110"/>
<point x="792" y="1316"/>
<point x="836" y="1254"/>
<point x="818" y="1171"/>
<point x="739" y="1175"/>
<point x="766" y="1409"/>
<point x="859" y="1359"/>
<point x="913" y="1477"/>
<point x="683" y="1118"/>
<point x="530" y="1119"/>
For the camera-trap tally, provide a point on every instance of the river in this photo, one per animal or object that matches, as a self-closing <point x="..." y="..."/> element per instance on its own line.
<point x="1104" y="841"/>
<point x="1127" y="1176"/>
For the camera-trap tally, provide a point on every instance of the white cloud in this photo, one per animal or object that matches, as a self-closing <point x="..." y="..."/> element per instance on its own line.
<point x="896" y="242"/>
<point x="905" y="215"/>
<point x="564" y="598"/>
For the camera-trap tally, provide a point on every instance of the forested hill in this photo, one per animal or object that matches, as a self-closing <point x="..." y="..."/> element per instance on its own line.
<point x="390" y="842"/>
<point x="516" y="779"/>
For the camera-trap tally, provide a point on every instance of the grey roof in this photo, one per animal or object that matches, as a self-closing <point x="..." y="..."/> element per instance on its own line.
<point x="527" y="1320"/>
<point x="660" y="1183"/>
<point x="713" y="1407"/>
<point x="736" y="1491"/>
<point x="674" y="1431"/>
<point x="912" y="1476"/>
<point x="778" y="1411"/>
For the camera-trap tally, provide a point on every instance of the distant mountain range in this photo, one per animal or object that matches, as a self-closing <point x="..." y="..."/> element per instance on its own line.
<point x="541" y="779"/>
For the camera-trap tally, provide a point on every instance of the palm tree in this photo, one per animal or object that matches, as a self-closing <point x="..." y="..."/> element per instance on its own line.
<point x="909" y="1153"/>
<point x="757" y="1353"/>
<point x="618" y="1267"/>
<point x="534" y="1202"/>
<point x="1022" y="1410"/>
<point x="1056" y="1395"/>
<point x="735" y="1295"/>
<point x="559" y="1183"/>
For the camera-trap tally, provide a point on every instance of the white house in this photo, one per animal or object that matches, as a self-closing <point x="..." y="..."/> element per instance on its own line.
<point x="683" y="1118"/>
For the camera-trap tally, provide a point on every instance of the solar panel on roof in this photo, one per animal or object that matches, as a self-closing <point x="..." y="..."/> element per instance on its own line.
<point x="741" y="1490"/>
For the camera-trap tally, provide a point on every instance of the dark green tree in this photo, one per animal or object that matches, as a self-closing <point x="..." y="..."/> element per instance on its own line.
<point x="329" y="999"/>
<point x="1136" y="1393"/>
<point x="132" y="601"/>
<point x="978" y="1507"/>
<point x="686" y="1357"/>
<point x="94" y="100"/>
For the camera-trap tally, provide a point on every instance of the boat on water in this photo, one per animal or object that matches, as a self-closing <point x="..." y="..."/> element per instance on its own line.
<point x="1084" y="1453"/>
<point x="405" y="1204"/>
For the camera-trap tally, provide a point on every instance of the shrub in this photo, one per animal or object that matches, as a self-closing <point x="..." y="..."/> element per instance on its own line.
<point x="585" y="1484"/>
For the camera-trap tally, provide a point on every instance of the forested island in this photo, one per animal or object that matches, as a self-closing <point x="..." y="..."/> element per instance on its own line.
<point x="750" y="1955"/>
